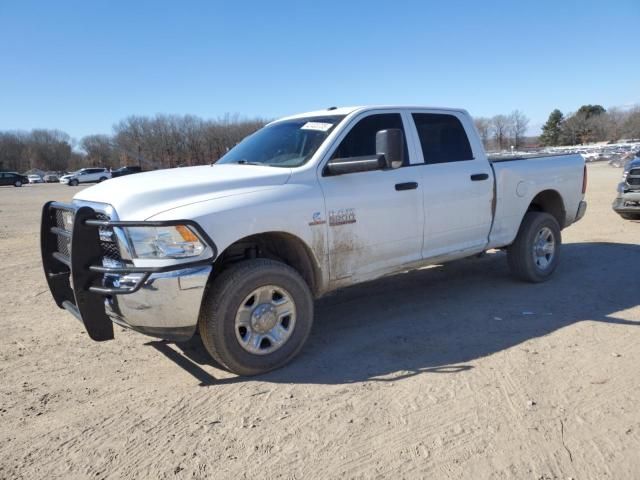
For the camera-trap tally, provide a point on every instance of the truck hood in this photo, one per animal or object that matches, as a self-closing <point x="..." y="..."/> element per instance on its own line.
<point x="140" y="196"/>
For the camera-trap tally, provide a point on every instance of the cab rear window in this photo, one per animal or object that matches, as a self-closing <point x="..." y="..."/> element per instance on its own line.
<point x="442" y="138"/>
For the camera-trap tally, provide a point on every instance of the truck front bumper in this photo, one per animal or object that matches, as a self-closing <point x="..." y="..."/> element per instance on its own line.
<point x="627" y="202"/>
<point x="167" y="305"/>
<point x="158" y="301"/>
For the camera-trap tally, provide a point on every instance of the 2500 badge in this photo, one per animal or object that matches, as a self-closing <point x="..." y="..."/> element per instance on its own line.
<point x="343" y="216"/>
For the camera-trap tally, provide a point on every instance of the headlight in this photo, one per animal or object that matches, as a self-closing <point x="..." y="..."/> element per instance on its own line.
<point x="178" y="241"/>
<point x="67" y="220"/>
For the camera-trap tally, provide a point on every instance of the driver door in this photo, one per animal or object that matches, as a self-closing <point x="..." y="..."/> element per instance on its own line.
<point x="375" y="218"/>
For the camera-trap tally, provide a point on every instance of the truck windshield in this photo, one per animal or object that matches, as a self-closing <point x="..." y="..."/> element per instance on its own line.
<point x="289" y="143"/>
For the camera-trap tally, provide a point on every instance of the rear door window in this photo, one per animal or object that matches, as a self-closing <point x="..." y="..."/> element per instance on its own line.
<point x="442" y="138"/>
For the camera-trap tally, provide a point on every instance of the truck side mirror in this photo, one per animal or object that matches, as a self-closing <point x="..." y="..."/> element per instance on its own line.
<point x="340" y="166"/>
<point x="390" y="146"/>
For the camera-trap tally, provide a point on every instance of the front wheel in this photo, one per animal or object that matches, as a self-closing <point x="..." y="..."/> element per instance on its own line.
<point x="73" y="183"/>
<point x="535" y="253"/>
<point x="630" y="216"/>
<point x="18" y="183"/>
<point x="256" y="316"/>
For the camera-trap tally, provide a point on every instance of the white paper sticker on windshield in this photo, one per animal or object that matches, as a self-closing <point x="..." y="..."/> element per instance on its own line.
<point x="321" y="127"/>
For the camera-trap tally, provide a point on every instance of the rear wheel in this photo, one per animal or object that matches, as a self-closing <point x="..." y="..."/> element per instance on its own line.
<point x="535" y="253"/>
<point x="102" y="179"/>
<point x="18" y="183"/>
<point x="256" y="316"/>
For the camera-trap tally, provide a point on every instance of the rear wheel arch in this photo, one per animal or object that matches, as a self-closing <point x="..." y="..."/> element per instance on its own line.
<point x="549" y="201"/>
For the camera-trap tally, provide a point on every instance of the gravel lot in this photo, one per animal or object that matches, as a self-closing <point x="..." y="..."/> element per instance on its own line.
<point x="447" y="372"/>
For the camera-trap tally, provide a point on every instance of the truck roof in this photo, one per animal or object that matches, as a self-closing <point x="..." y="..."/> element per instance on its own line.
<point x="348" y="110"/>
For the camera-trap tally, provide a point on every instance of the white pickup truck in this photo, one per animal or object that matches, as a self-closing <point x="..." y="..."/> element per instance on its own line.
<point x="238" y="250"/>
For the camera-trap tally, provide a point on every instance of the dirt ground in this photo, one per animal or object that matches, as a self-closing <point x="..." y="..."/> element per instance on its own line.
<point x="447" y="372"/>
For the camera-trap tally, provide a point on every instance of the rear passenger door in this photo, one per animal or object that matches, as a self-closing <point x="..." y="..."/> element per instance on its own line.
<point x="458" y="188"/>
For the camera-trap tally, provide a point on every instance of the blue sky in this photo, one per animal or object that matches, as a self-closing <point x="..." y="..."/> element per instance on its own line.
<point x="80" y="66"/>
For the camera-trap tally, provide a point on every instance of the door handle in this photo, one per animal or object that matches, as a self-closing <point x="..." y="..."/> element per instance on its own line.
<point x="406" y="186"/>
<point x="476" y="177"/>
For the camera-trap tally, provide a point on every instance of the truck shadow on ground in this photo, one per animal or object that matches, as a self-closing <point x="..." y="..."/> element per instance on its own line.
<point x="440" y="319"/>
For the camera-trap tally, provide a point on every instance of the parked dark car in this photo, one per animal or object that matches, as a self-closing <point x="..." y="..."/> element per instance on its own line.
<point x="122" y="171"/>
<point x="13" y="178"/>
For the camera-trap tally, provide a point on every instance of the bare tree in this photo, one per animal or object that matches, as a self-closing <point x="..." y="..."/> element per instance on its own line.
<point x="631" y="125"/>
<point x="518" y="124"/>
<point x="47" y="150"/>
<point x="483" y="125"/>
<point x="581" y="128"/>
<point x="99" y="150"/>
<point x="500" y="126"/>
<point x="13" y="151"/>
<point x="614" y="121"/>
<point x="166" y="141"/>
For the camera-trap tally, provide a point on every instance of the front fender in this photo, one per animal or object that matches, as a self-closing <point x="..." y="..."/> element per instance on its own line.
<point x="294" y="209"/>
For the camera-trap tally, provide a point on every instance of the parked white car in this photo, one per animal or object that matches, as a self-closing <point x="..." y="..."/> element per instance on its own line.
<point x="35" y="178"/>
<point x="308" y="204"/>
<point x="86" y="175"/>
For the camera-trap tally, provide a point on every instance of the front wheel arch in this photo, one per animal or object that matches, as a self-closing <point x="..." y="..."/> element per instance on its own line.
<point x="276" y="245"/>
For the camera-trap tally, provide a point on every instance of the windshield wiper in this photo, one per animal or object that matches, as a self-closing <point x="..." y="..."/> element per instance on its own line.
<point x="247" y="162"/>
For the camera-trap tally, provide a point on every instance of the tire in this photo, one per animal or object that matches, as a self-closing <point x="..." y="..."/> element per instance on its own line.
<point x="18" y="183"/>
<point x="528" y="262"/>
<point x="232" y="296"/>
<point x="73" y="183"/>
<point x="630" y="216"/>
<point x="102" y="179"/>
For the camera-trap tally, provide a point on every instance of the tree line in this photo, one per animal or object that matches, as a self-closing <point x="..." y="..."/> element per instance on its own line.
<point x="161" y="141"/>
<point x="591" y="123"/>
<point x="501" y="131"/>
<point x="166" y="141"/>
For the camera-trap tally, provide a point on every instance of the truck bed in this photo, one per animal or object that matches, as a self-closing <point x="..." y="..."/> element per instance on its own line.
<point x="519" y="180"/>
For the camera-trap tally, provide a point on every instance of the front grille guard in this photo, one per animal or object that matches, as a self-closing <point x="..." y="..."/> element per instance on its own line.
<point x="633" y="179"/>
<point x="75" y="276"/>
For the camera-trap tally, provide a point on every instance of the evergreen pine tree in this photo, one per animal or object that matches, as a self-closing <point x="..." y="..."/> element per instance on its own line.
<point x="552" y="129"/>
